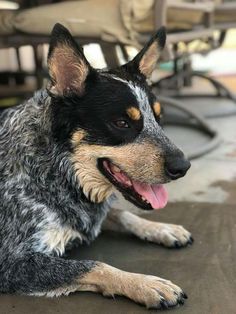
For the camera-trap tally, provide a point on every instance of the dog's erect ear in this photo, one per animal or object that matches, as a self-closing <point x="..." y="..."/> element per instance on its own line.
<point x="68" y="67"/>
<point x="145" y="61"/>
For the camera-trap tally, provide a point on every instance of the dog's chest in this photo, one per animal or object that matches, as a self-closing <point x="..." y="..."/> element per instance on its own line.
<point x="58" y="231"/>
<point x="55" y="239"/>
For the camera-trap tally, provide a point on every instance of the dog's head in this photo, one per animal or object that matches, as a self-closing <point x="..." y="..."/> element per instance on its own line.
<point x="111" y="121"/>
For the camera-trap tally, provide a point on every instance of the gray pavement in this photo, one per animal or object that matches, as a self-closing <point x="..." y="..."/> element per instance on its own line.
<point x="206" y="270"/>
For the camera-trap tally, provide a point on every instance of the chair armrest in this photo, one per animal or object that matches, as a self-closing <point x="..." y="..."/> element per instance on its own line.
<point x="226" y="6"/>
<point x="206" y="6"/>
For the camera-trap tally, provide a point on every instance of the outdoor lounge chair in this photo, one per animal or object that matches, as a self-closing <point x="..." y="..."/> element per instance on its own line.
<point x="113" y="23"/>
<point x="221" y="17"/>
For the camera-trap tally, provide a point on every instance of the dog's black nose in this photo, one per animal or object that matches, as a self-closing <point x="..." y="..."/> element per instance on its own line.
<point x="176" y="167"/>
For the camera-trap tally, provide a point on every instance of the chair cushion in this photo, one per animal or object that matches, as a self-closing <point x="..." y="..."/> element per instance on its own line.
<point x="7" y="22"/>
<point x="98" y="19"/>
<point x="139" y="16"/>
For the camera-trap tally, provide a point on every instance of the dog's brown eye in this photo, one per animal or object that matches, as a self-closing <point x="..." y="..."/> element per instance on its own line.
<point x="121" y="124"/>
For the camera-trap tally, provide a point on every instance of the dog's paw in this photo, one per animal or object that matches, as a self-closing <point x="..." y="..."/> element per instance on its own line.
<point x="168" y="235"/>
<point x="155" y="292"/>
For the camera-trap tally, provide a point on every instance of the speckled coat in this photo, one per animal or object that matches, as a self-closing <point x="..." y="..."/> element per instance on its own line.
<point x="52" y="191"/>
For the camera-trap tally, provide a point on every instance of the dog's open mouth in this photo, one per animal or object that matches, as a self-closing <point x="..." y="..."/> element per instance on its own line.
<point x="144" y="195"/>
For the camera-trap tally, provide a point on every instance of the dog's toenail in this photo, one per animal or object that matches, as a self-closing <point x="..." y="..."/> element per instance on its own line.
<point x="181" y="301"/>
<point x="184" y="295"/>
<point x="164" y="304"/>
<point x="177" y="244"/>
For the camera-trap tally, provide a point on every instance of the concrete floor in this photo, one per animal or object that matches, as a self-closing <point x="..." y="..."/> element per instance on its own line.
<point x="204" y="202"/>
<point x="212" y="178"/>
<point x="206" y="270"/>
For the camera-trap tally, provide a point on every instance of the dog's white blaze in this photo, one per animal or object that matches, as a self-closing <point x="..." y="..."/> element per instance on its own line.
<point x="150" y="123"/>
<point x="137" y="91"/>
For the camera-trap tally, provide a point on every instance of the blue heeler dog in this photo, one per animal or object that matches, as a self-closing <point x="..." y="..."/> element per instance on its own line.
<point x="63" y="153"/>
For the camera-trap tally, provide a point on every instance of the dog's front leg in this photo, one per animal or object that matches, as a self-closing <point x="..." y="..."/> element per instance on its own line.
<point x="168" y="235"/>
<point x="151" y="291"/>
<point x="40" y="274"/>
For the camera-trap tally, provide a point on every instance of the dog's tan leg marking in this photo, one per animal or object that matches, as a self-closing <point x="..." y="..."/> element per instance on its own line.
<point x="153" y="292"/>
<point x="168" y="235"/>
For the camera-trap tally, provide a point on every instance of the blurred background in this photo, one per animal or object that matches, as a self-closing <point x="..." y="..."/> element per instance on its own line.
<point x="195" y="81"/>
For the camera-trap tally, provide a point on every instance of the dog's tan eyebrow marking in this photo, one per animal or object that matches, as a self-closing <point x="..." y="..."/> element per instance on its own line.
<point x="134" y="113"/>
<point x="157" y="108"/>
<point x="77" y="137"/>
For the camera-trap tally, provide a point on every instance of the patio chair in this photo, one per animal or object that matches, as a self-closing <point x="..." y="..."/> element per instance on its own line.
<point x="219" y="17"/>
<point x="109" y="23"/>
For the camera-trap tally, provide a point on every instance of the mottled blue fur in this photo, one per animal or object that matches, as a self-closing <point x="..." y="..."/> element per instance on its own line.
<point x="57" y="152"/>
<point x="36" y="180"/>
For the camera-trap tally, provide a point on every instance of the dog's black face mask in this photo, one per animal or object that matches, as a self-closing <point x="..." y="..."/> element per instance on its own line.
<point x="110" y="119"/>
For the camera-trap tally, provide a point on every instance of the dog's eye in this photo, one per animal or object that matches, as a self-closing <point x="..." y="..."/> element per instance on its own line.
<point x="121" y="124"/>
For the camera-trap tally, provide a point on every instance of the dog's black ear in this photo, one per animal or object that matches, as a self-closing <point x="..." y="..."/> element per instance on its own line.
<point x="67" y="65"/>
<point x="145" y="61"/>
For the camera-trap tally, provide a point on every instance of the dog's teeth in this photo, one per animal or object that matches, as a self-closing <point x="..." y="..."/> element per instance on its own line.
<point x="115" y="169"/>
<point x="145" y="200"/>
<point x="129" y="183"/>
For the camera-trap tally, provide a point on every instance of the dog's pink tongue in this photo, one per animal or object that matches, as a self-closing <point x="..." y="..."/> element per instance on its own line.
<point x="156" y="194"/>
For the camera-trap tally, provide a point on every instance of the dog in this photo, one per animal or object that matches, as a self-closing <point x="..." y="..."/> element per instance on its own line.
<point x="63" y="154"/>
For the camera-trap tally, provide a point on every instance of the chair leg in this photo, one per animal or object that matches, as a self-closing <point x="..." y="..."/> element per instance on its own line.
<point x="124" y="53"/>
<point x="110" y="54"/>
<point x="182" y="77"/>
<point x="38" y="60"/>
<point x="191" y="120"/>
<point x="19" y="76"/>
<point x="222" y="91"/>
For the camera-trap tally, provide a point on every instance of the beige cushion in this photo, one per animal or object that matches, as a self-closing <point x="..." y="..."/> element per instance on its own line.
<point x="226" y="12"/>
<point x="138" y="16"/>
<point x="7" y="22"/>
<point x="99" y="19"/>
